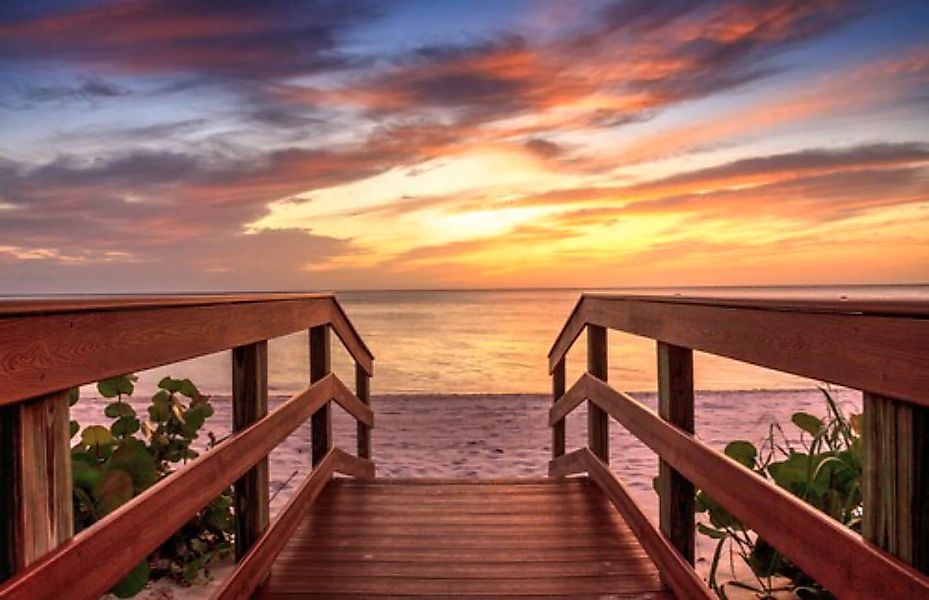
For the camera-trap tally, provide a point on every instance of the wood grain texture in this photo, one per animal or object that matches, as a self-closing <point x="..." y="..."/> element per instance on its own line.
<point x="895" y="486"/>
<point x="675" y="569"/>
<point x="883" y="354"/>
<point x="572" y="463"/>
<point x="676" y="406"/>
<point x="363" y="430"/>
<point x="320" y="366"/>
<point x="249" y="405"/>
<point x="567" y="402"/>
<point x="598" y="424"/>
<point x="254" y="567"/>
<point x="353" y="405"/>
<point x="847" y="565"/>
<point x="53" y="345"/>
<point x="36" y="499"/>
<point x="558" y="425"/>
<point x="341" y="551"/>
<point x="163" y="508"/>
<point x="41" y="354"/>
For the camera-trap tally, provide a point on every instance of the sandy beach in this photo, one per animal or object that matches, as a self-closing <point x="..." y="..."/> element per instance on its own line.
<point x="503" y="435"/>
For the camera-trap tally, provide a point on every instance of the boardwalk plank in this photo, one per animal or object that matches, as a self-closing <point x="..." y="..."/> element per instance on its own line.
<point x="463" y="539"/>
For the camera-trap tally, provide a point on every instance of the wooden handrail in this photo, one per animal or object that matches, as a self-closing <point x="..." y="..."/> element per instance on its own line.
<point x="51" y="345"/>
<point x="675" y="571"/>
<point x="159" y="511"/>
<point x="846" y="564"/>
<point x="256" y="565"/>
<point x="877" y="346"/>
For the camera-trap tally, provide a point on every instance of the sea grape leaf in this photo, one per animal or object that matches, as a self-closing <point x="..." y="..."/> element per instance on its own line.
<point x="742" y="452"/>
<point x="96" y="435"/>
<point x="133" y="582"/>
<point x="807" y="422"/>
<point x="74" y="394"/>
<point x="132" y="457"/>
<point x="187" y="388"/>
<point x="114" y="489"/>
<point x="114" y="386"/>
<point x="159" y="412"/>
<point x="125" y="426"/>
<point x="118" y="409"/>
<point x="710" y="532"/>
<point x="169" y="384"/>
<point x="84" y="475"/>
<point x="74" y="427"/>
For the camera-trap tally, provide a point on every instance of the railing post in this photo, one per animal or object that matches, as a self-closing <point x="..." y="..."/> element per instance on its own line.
<point x="363" y="391"/>
<point x="250" y="404"/>
<point x="676" y="406"/>
<point x="35" y="480"/>
<point x="895" y="482"/>
<point x="558" y="390"/>
<point x="321" y="421"/>
<point x="598" y="432"/>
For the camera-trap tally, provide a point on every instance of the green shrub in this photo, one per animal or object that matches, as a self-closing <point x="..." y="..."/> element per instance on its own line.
<point x="824" y="470"/>
<point x="111" y="465"/>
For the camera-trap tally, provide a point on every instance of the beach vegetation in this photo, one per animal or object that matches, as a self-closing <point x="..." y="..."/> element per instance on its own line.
<point x="823" y="468"/>
<point x="112" y="464"/>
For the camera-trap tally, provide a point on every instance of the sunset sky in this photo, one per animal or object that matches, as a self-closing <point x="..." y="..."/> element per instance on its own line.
<point x="230" y="144"/>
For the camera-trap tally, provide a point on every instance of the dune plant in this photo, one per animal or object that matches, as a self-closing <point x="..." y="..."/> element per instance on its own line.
<point x="823" y="469"/>
<point x="110" y="465"/>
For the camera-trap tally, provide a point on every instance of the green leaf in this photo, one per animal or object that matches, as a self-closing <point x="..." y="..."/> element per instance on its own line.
<point x="95" y="435"/>
<point x="710" y="532"/>
<point x="742" y="452"/>
<point x="807" y="422"/>
<point x="171" y="385"/>
<point x="124" y="426"/>
<point x="133" y="582"/>
<point x="74" y="427"/>
<point x="114" y="386"/>
<point x="132" y="457"/>
<point x="119" y="409"/>
<point x="84" y="475"/>
<point x="74" y="394"/>
<point x="187" y="388"/>
<point x="114" y="489"/>
<point x="159" y="412"/>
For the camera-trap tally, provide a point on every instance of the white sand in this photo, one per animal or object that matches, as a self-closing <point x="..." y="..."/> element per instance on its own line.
<point x="495" y="436"/>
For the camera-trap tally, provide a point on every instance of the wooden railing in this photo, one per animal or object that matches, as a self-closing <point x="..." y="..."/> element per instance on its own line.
<point x="50" y="346"/>
<point x="880" y="347"/>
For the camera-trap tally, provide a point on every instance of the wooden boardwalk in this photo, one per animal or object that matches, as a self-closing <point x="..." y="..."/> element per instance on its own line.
<point x="461" y="539"/>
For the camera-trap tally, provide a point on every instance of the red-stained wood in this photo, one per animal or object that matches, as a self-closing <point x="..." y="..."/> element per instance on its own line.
<point x="36" y="480"/>
<point x="567" y="402"/>
<point x="570" y="552"/>
<point x="363" y="430"/>
<point x="320" y="366"/>
<point x="352" y="404"/>
<point x="558" y="425"/>
<point x="350" y="339"/>
<point x="163" y="508"/>
<point x="119" y="302"/>
<point x="839" y="559"/>
<point x="676" y="406"/>
<point x="255" y="565"/>
<point x="249" y="405"/>
<point x="883" y="353"/>
<point x="43" y="353"/>
<point x="598" y="425"/>
<point x="675" y="569"/>
<point x="571" y="463"/>
<point x="895" y="486"/>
